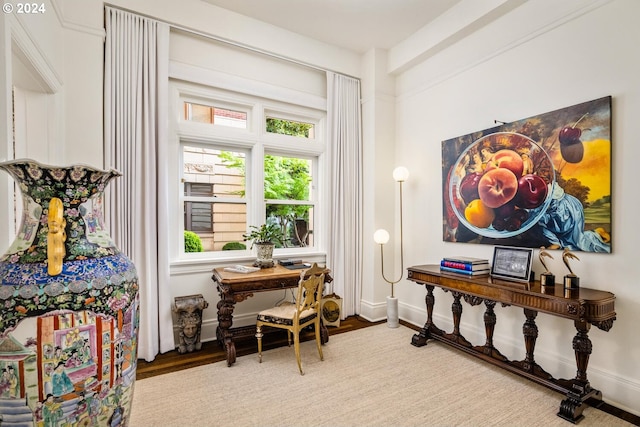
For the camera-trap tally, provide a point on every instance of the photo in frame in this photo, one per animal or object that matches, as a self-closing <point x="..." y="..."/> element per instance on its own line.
<point x="510" y="263"/>
<point x="543" y="181"/>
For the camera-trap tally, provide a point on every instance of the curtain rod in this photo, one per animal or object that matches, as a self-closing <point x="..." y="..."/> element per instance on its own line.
<point x="231" y="42"/>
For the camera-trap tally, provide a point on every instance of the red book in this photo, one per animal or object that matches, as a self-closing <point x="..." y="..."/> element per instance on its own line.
<point x="464" y="266"/>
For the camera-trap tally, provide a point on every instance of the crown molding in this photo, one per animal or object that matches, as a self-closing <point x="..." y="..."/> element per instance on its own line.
<point x="29" y="52"/>
<point x="69" y="24"/>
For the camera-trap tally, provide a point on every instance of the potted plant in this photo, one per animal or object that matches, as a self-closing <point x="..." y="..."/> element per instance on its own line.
<point x="264" y="239"/>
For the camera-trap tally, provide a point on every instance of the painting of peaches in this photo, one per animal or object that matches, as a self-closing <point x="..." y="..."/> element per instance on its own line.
<point x="543" y="181"/>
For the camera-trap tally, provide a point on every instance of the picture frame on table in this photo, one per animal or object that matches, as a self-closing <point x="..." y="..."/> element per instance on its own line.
<point x="511" y="263"/>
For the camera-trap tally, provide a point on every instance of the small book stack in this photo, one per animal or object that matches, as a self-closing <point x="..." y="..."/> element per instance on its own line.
<point x="465" y="265"/>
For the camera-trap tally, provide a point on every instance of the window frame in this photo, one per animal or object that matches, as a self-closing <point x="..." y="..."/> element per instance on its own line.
<point x="255" y="142"/>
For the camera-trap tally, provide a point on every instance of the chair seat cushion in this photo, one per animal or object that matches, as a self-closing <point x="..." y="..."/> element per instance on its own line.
<point x="283" y="315"/>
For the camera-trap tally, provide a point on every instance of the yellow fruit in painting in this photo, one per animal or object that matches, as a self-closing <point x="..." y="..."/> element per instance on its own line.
<point x="478" y="214"/>
<point x="606" y="237"/>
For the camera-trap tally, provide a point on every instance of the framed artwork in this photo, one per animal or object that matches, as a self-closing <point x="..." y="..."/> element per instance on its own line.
<point x="511" y="263"/>
<point x="543" y="181"/>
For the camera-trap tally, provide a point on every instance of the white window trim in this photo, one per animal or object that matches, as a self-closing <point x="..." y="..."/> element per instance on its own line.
<point x="256" y="141"/>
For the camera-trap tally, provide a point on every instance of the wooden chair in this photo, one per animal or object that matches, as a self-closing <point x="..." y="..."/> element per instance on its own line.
<point x="295" y="316"/>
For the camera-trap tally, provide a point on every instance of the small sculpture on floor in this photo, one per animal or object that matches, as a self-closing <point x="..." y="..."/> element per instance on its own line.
<point x="189" y="311"/>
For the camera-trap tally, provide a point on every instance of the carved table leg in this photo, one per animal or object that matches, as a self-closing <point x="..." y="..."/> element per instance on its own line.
<point x="225" y="320"/>
<point x="420" y="339"/>
<point x="530" y="332"/>
<point x="489" y="326"/>
<point x="579" y="388"/>
<point x="456" y="309"/>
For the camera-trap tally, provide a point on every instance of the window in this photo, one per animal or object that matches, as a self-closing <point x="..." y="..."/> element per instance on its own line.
<point x="214" y="204"/>
<point x="215" y="116"/>
<point x="236" y="174"/>
<point x="290" y="127"/>
<point x="287" y="190"/>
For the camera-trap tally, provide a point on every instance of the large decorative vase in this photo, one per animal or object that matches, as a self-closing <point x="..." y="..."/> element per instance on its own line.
<point x="68" y="305"/>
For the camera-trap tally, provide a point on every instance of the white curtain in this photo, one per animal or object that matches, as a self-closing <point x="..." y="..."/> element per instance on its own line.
<point x="345" y="142"/>
<point x="135" y="117"/>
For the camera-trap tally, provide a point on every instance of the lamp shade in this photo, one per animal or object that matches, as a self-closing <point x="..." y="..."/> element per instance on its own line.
<point x="400" y="174"/>
<point x="381" y="236"/>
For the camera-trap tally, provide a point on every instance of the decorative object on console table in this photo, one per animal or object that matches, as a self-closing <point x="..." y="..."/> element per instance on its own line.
<point x="571" y="281"/>
<point x="464" y="265"/>
<point x="67" y="294"/>
<point x="546" y="278"/>
<point x="484" y="272"/>
<point x="189" y="310"/>
<point x="264" y="239"/>
<point x="381" y="237"/>
<point x="466" y="260"/>
<point x="512" y="263"/>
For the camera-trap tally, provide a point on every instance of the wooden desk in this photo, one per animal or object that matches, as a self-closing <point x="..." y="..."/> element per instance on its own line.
<point x="237" y="287"/>
<point x="584" y="306"/>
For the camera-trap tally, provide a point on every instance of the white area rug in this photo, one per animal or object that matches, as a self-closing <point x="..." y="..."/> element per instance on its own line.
<point x="369" y="377"/>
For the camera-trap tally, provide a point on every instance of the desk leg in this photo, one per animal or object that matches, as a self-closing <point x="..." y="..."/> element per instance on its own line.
<point x="324" y="333"/>
<point x="579" y="388"/>
<point x="223" y="332"/>
<point x="420" y="339"/>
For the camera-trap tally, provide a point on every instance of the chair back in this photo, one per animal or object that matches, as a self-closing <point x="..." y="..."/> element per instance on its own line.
<point x="309" y="291"/>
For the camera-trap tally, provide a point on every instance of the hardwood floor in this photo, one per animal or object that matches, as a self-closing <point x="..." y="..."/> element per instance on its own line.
<point x="212" y="352"/>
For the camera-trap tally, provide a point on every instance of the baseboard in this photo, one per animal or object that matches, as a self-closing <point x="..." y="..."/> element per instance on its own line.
<point x="373" y="312"/>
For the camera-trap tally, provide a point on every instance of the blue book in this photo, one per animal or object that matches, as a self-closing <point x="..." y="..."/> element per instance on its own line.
<point x="466" y="259"/>
<point x="465" y="272"/>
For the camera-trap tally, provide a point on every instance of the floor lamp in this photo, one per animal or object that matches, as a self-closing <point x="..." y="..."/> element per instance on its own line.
<point x="381" y="237"/>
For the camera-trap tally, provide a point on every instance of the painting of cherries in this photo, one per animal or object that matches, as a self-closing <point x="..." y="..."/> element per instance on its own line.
<point x="543" y="181"/>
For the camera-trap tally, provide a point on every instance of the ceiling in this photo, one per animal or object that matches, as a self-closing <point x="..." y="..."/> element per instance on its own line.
<point x="357" y="25"/>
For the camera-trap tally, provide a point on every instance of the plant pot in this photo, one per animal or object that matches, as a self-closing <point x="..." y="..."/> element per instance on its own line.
<point x="265" y="255"/>
<point x="69" y="304"/>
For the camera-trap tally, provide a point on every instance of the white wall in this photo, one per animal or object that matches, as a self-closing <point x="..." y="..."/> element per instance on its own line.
<point x="537" y="58"/>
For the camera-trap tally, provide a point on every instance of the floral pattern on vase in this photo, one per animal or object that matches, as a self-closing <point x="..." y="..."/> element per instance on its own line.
<point x="68" y="339"/>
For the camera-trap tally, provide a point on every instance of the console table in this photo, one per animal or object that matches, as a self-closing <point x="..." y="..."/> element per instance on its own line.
<point x="237" y="287"/>
<point x="584" y="306"/>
